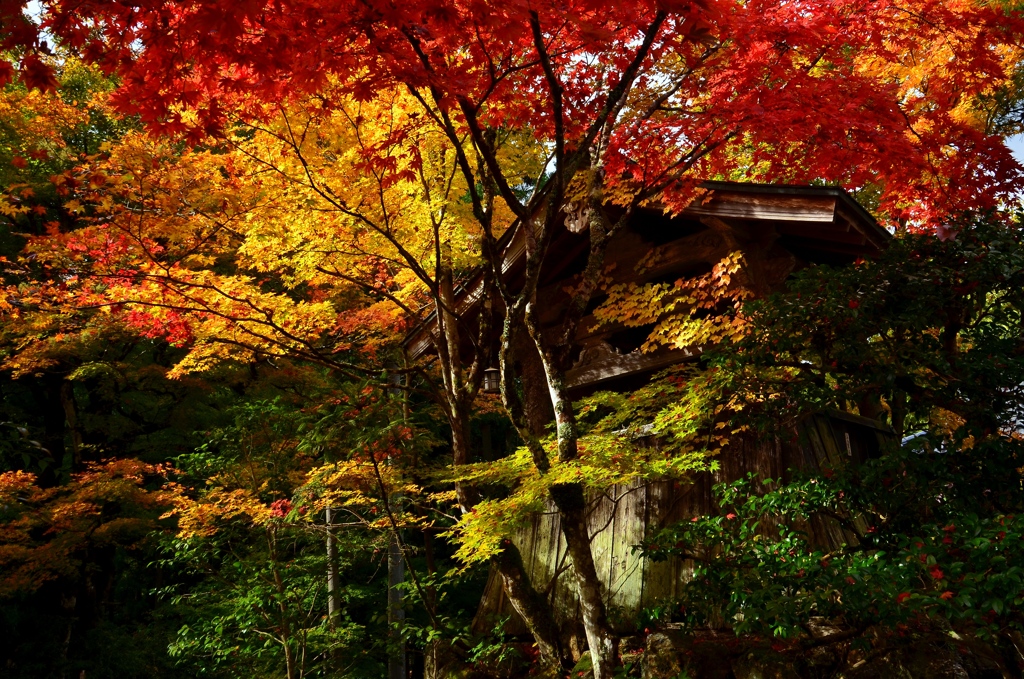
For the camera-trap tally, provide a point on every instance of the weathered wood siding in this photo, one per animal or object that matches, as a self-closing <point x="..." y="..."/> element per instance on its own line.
<point x="622" y="518"/>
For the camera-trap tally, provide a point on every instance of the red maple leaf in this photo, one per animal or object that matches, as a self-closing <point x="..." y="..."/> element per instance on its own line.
<point x="37" y="74"/>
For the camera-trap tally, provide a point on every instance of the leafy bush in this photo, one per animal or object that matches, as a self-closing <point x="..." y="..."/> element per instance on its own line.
<point x="927" y="339"/>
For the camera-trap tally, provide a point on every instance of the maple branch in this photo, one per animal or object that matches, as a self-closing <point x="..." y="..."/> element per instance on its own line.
<point x="446" y="343"/>
<point x="264" y="317"/>
<point x="537" y="183"/>
<point x="359" y="251"/>
<point x="600" y="234"/>
<point x="310" y="353"/>
<point x="449" y="128"/>
<point x="398" y="538"/>
<point x="659" y="102"/>
<point x="617" y="95"/>
<point x="328" y="195"/>
<point x="490" y="251"/>
<point x="168" y="281"/>
<point x="495" y="77"/>
<point x="490" y="157"/>
<point x="557" y="91"/>
<point x="428" y="194"/>
<point x="369" y="288"/>
<point x="486" y="311"/>
<point x="674" y="172"/>
<point x="447" y="308"/>
<point x="395" y="300"/>
<point x="218" y="227"/>
<point x="469" y="112"/>
<point x="928" y="155"/>
<point x="920" y="17"/>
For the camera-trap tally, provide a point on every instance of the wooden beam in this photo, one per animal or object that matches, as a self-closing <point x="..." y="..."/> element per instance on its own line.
<point x="862" y="421"/>
<point x="785" y="208"/>
<point x="420" y="342"/>
<point x="879" y="239"/>
<point x="610" y="366"/>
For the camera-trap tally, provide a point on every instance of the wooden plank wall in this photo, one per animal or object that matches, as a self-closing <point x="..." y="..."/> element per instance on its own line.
<point x="620" y="519"/>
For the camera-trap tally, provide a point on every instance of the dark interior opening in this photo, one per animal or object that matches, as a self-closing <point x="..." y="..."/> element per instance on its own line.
<point x="595" y="301"/>
<point x="658" y="228"/>
<point x="630" y="339"/>
<point x="691" y="270"/>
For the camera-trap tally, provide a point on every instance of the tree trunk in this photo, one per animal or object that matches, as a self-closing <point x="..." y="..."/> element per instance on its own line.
<point x="529" y="604"/>
<point x="532" y="607"/>
<point x="284" y="631"/>
<point x="396" y="610"/>
<point x="67" y="402"/>
<point x="572" y="510"/>
<point x="571" y="503"/>
<point x="332" y="572"/>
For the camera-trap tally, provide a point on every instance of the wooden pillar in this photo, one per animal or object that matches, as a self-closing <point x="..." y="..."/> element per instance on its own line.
<point x="396" y="610"/>
<point x="332" y="572"/>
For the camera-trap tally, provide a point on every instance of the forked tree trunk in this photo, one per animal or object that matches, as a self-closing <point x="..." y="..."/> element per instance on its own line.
<point x="570" y="500"/>
<point x="460" y="393"/>
<point x="530" y="409"/>
<point x="531" y="606"/>
<point x="553" y="346"/>
<point x="603" y="643"/>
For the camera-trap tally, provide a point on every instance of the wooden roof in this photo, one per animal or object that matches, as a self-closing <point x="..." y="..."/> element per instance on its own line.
<point x="792" y="225"/>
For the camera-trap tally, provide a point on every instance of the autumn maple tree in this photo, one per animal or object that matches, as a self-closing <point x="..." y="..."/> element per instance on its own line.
<point x="411" y="137"/>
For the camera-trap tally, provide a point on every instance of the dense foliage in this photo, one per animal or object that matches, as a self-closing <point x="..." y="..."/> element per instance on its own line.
<point x="222" y="219"/>
<point x="927" y="339"/>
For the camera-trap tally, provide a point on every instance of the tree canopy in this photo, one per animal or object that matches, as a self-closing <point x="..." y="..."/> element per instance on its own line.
<point x="231" y="200"/>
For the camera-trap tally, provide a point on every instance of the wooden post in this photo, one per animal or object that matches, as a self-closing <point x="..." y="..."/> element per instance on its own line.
<point x="332" y="572"/>
<point x="396" y="611"/>
<point x="396" y="574"/>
